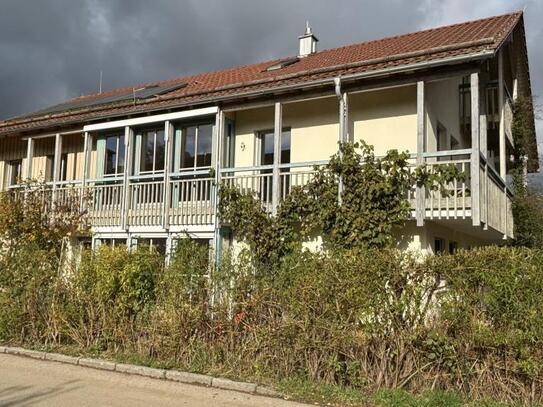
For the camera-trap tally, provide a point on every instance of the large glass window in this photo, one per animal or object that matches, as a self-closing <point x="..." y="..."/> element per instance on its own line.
<point x="114" y="158"/>
<point x="153" y="149"/>
<point x="196" y="146"/>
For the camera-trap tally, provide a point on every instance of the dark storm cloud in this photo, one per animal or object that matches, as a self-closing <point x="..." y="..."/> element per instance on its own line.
<point x="52" y="50"/>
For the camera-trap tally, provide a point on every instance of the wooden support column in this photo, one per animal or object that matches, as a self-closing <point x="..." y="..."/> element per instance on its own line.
<point x="475" y="151"/>
<point x="277" y="133"/>
<point x="420" y="206"/>
<point x="167" y="191"/>
<point x="501" y="104"/>
<point x="29" y="157"/>
<point x="483" y="137"/>
<point x="57" y="162"/>
<point x="502" y="141"/>
<point x="217" y="165"/>
<point x="125" y="205"/>
<point x="87" y="145"/>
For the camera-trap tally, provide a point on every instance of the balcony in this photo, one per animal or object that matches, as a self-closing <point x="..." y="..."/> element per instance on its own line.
<point x="189" y="200"/>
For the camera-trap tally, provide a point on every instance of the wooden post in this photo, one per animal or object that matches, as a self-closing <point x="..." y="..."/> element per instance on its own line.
<point x="502" y="141"/>
<point x="420" y="206"/>
<point x="57" y="158"/>
<point x="167" y="192"/>
<point x="501" y="104"/>
<point x="29" y="157"/>
<point x="217" y="165"/>
<point x="87" y="142"/>
<point x="125" y="205"/>
<point x="56" y="165"/>
<point x="483" y="136"/>
<point x="475" y="151"/>
<point x="277" y="133"/>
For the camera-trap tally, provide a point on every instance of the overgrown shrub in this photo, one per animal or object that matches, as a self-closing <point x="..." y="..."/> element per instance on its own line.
<point x="366" y="319"/>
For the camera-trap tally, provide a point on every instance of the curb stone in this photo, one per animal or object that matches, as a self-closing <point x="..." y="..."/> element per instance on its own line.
<point x="226" y="384"/>
<point x="140" y="370"/>
<point x="97" y="364"/>
<point x="160" y="374"/>
<point x="57" y="357"/>
<point x="25" y="352"/>
<point x="189" y="378"/>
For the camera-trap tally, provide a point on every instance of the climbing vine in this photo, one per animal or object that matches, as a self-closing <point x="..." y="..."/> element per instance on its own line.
<point x="372" y="205"/>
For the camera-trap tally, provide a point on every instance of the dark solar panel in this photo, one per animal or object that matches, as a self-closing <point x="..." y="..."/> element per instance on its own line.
<point x="144" y="93"/>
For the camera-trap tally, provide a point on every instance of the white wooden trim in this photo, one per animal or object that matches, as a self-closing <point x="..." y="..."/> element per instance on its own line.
<point x="152" y="119"/>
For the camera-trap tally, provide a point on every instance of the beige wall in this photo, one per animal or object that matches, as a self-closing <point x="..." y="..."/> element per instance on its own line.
<point x="313" y="124"/>
<point x="442" y="105"/>
<point x="386" y="119"/>
<point x="422" y="239"/>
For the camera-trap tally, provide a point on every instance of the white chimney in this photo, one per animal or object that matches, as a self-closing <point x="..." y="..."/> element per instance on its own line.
<point x="308" y="42"/>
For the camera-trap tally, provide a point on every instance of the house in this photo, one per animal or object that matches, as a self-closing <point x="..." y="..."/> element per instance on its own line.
<point x="150" y="157"/>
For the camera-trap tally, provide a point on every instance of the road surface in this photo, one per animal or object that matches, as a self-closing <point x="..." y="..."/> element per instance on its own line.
<point x="29" y="382"/>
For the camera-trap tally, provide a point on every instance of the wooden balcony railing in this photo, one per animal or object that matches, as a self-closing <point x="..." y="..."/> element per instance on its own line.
<point x="190" y="199"/>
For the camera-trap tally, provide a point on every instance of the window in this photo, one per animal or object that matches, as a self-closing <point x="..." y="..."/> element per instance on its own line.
<point x="196" y="142"/>
<point x="13" y="172"/>
<point x="267" y="144"/>
<point x="154" y="244"/>
<point x="453" y="247"/>
<point x="266" y="157"/>
<point x="114" y="158"/>
<point x="439" y="245"/>
<point x="112" y="242"/>
<point x="50" y="168"/>
<point x="153" y="147"/>
<point x="465" y="107"/>
<point x="229" y="144"/>
<point x="64" y="167"/>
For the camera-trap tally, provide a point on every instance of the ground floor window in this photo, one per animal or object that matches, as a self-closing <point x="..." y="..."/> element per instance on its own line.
<point x="111" y="242"/>
<point x="153" y="244"/>
<point x="439" y="245"/>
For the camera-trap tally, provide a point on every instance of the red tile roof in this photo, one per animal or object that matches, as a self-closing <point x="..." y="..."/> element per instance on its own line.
<point x="436" y="44"/>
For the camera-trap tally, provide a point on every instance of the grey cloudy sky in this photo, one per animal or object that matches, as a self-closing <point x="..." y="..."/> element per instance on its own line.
<point x="53" y="50"/>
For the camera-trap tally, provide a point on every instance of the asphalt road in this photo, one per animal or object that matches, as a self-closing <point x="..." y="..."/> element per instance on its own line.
<point x="29" y="382"/>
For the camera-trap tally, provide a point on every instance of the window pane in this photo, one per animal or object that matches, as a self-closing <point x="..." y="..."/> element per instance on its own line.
<point x="189" y="139"/>
<point x="160" y="150"/>
<point x="120" y="161"/>
<point x="285" y="147"/>
<point x="111" y="154"/>
<point x="267" y="149"/>
<point x="147" y="150"/>
<point x="205" y="134"/>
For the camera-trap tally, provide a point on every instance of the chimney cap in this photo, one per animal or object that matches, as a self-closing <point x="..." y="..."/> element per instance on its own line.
<point x="308" y="32"/>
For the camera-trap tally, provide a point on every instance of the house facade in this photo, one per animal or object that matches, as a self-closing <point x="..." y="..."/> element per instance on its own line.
<point x="148" y="160"/>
